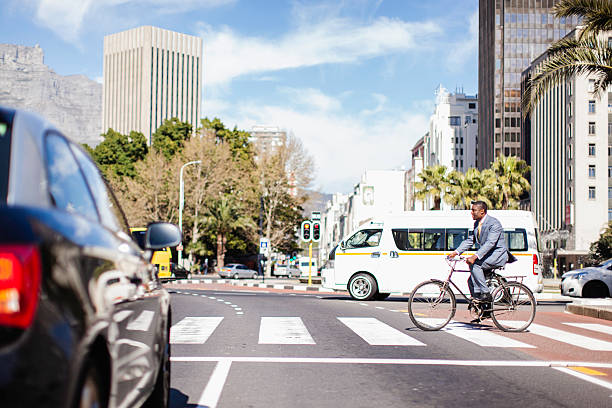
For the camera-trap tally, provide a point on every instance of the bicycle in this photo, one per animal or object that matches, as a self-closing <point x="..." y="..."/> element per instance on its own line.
<point x="432" y="303"/>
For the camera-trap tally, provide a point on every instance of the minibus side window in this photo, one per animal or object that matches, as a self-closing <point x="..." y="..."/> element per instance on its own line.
<point x="400" y="236"/>
<point x="454" y="238"/>
<point x="408" y="240"/>
<point x="364" y="238"/>
<point x="516" y="240"/>
<point x="433" y="240"/>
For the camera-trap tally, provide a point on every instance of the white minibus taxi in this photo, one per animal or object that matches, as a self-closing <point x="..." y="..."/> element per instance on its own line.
<point x="397" y="252"/>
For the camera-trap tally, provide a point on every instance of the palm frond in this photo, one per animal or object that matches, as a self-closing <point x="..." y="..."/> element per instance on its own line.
<point x="596" y="14"/>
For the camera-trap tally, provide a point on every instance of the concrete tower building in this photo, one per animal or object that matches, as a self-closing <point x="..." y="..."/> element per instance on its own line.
<point x="512" y="33"/>
<point x="150" y="75"/>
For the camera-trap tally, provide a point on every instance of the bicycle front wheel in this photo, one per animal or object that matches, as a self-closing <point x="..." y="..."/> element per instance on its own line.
<point x="514" y="307"/>
<point x="431" y="305"/>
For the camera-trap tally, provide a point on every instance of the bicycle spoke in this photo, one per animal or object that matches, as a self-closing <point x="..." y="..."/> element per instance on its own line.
<point x="514" y="307"/>
<point x="431" y="305"/>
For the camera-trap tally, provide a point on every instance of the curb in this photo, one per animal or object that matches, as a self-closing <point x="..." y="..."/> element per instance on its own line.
<point x="598" y="312"/>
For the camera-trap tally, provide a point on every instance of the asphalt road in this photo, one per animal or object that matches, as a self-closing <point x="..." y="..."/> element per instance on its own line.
<point x="253" y="348"/>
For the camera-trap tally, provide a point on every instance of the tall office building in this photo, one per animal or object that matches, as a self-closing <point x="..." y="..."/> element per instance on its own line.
<point x="570" y="134"/>
<point x="512" y="33"/>
<point x="150" y="75"/>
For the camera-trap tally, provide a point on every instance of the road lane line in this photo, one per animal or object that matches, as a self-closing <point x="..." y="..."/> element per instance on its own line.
<point x="585" y="377"/>
<point x="212" y="392"/>
<point x="283" y="330"/>
<point x="588" y="371"/>
<point x="193" y="330"/>
<point x="377" y="333"/>
<point x="593" y="326"/>
<point x="567" y="337"/>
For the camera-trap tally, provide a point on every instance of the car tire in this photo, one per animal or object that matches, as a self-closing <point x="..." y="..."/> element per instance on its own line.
<point x="362" y="286"/>
<point x="91" y="391"/>
<point x="595" y="289"/>
<point x="160" y="396"/>
<point x="188" y="276"/>
<point x="236" y="276"/>
<point x="254" y="276"/>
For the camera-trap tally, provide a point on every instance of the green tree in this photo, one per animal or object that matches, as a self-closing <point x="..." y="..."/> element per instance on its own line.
<point x="601" y="249"/>
<point x="509" y="183"/>
<point x="468" y="187"/>
<point x="170" y="137"/>
<point x="117" y="154"/>
<point x="224" y="217"/>
<point x="586" y="54"/>
<point x="237" y="140"/>
<point x="434" y="184"/>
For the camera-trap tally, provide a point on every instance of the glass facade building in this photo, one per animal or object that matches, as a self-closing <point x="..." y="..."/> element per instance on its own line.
<point x="512" y="33"/>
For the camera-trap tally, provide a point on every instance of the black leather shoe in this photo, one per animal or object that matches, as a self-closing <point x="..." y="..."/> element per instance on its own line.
<point x="475" y="321"/>
<point x="483" y="297"/>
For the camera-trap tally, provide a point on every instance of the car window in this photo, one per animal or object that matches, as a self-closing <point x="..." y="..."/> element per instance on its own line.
<point x="6" y="120"/>
<point x="433" y="240"/>
<point x="67" y="187"/>
<point x="454" y="238"/>
<point x="516" y="240"/>
<point x="109" y="211"/>
<point x="407" y="240"/>
<point x="364" y="239"/>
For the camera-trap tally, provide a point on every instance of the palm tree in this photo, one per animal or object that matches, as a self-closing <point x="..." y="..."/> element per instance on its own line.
<point x="471" y="186"/>
<point x="224" y="216"/>
<point x="510" y="182"/>
<point x="584" y="55"/>
<point x="433" y="184"/>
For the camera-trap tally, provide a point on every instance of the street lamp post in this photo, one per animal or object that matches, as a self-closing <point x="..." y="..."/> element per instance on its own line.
<point x="181" y="202"/>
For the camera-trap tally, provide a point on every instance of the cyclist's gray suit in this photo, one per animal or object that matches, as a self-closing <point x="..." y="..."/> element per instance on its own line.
<point x="491" y="254"/>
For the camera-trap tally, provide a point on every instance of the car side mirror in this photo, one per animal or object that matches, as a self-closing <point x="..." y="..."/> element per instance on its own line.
<point x="162" y="234"/>
<point x="342" y="245"/>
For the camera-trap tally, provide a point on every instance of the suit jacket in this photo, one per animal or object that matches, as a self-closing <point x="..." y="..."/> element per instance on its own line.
<point x="492" y="242"/>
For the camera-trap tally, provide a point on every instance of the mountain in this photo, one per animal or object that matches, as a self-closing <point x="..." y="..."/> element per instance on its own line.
<point x="72" y="103"/>
<point x="316" y="202"/>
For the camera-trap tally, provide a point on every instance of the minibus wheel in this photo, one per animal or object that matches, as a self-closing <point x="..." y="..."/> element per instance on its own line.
<point x="362" y="287"/>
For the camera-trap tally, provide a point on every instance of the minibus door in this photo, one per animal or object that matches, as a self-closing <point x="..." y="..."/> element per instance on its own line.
<point x="359" y="253"/>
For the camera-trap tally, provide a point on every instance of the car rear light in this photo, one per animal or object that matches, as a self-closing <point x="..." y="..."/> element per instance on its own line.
<point x="535" y="262"/>
<point x="19" y="284"/>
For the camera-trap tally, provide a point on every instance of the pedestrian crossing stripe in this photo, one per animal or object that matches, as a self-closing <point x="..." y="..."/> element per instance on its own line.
<point x="293" y="331"/>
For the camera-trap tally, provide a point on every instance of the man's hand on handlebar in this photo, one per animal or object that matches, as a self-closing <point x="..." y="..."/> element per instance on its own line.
<point x="470" y="260"/>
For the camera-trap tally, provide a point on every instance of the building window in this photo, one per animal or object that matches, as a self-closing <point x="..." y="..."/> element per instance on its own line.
<point x="609" y="128"/>
<point x="471" y="105"/>
<point x="569" y="109"/>
<point x="609" y="192"/>
<point x="610" y="209"/>
<point x="455" y="120"/>
<point x="591" y="193"/>
<point x="591" y="128"/>
<point x="591" y="106"/>
<point x="609" y="171"/>
<point x="569" y="173"/>
<point x="591" y="149"/>
<point x="569" y="130"/>
<point x="569" y="151"/>
<point x="497" y="123"/>
<point x="591" y="85"/>
<point x="591" y="171"/>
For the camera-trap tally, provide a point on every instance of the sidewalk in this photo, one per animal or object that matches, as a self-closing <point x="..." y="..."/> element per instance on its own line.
<point x="598" y="308"/>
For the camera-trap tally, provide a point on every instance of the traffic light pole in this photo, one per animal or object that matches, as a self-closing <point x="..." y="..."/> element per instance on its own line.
<point x="309" y="263"/>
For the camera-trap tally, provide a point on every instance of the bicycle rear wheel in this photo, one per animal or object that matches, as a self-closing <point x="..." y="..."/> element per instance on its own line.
<point x="514" y="307"/>
<point x="431" y="305"/>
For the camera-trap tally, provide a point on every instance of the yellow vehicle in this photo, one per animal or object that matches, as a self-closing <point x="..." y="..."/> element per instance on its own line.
<point x="161" y="258"/>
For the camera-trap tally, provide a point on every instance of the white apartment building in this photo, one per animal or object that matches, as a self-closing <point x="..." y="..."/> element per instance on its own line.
<point x="332" y="225"/>
<point x="569" y="137"/>
<point x="150" y="75"/>
<point x="267" y="138"/>
<point x="453" y="129"/>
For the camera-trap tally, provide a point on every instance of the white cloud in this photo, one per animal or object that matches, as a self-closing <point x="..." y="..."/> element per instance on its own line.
<point x="66" y="17"/>
<point x="311" y="98"/>
<point x="343" y="145"/>
<point x="328" y="40"/>
<point x="380" y="103"/>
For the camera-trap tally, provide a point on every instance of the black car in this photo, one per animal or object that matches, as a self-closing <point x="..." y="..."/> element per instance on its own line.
<point x="84" y="320"/>
<point x="179" y="272"/>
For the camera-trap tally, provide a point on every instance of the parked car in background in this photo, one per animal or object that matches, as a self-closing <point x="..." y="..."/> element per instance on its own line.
<point x="237" y="271"/>
<point x="179" y="272"/>
<point x="591" y="282"/>
<point x="289" y="271"/>
<point x="84" y="320"/>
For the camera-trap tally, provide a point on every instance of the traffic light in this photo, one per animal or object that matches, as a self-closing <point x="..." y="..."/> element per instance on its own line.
<point x="316" y="231"/>
<point x="306" y="230"/>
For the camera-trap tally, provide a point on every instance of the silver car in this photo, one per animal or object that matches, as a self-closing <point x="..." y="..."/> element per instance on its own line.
<point x="591" y="282"/>
<point x="237" y="271"/>
<point x="286" y="270"/>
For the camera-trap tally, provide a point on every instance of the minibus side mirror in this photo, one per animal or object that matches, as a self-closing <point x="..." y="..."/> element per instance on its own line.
<point x="342" y="245"/>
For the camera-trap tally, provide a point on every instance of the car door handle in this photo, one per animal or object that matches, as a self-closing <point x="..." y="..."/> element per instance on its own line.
<point x="375" y="255"/>
<point x="393" y="254"/>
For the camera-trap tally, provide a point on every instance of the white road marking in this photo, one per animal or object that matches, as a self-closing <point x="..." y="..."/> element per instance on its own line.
<point x="483" y="338"/>
<point x="569" y="338"/>
<point x="193" y="330"/>
<point x="283" y="330"/>
<point x="142" y="322"/>
<point x="377" y="333"/>
<point x="380" y="307"/>
<point x="593" y="326"/>
<point x="585" y="377"/>
<point x="212" y="392"/>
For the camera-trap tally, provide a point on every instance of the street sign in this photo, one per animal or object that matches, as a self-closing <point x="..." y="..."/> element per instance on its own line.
<point x="264" y="245"/>
<point x="315" y="215"/>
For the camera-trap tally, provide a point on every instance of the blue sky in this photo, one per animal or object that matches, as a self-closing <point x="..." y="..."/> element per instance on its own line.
<point x="354" y="80"/>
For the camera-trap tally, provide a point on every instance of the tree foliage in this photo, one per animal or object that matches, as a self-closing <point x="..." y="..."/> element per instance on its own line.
<point x="601" y="250"/>
<point x="117" y="154"/>
<point x="170" y="137"/>
<point x="587" y="54"/>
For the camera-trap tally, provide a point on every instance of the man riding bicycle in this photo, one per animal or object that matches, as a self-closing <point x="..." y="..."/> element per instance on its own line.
<point x="489" y="234"/>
